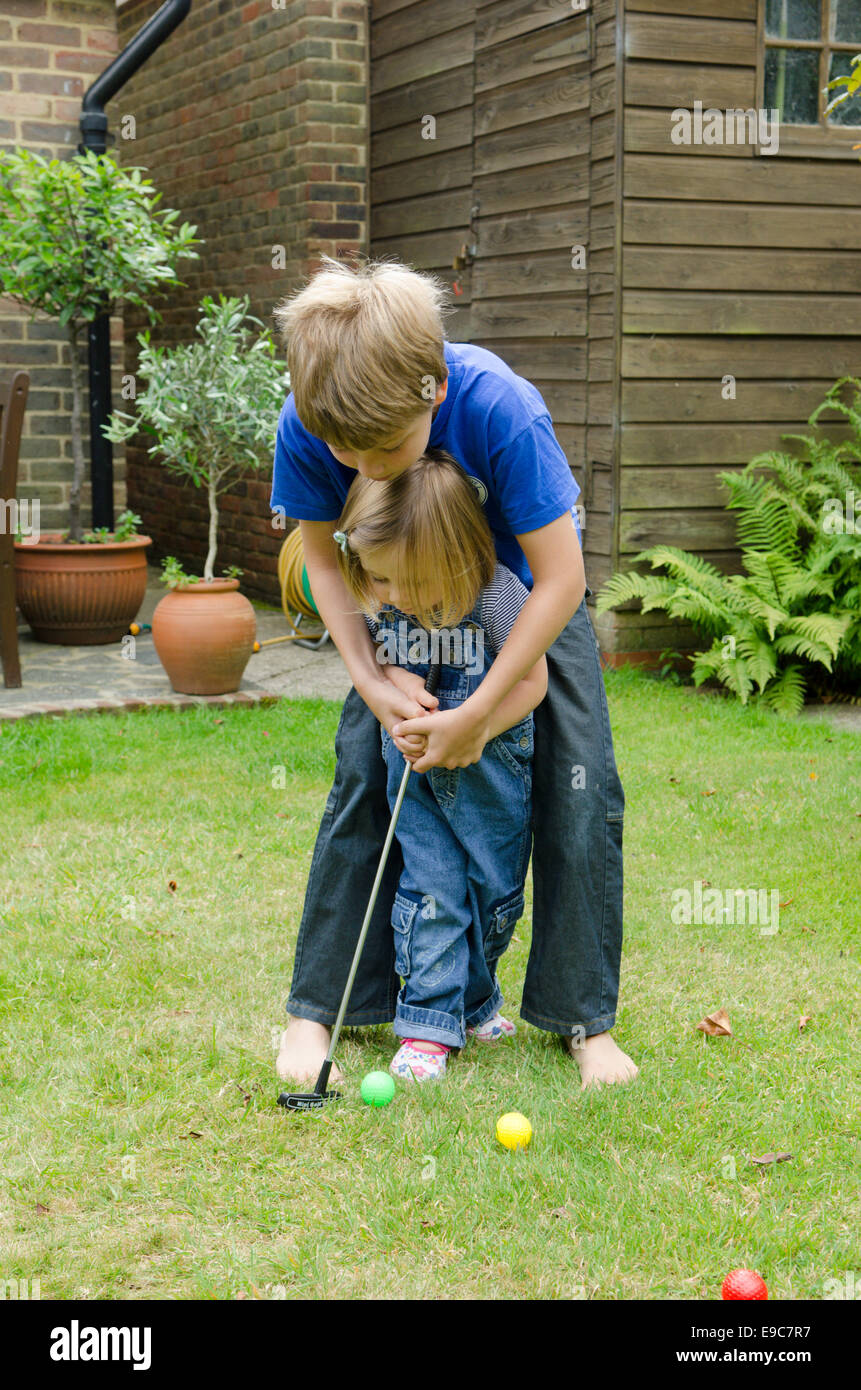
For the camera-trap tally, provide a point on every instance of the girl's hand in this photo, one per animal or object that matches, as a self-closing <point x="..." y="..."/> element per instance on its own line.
<point x="455" y="738"/>
<point x="411" y="684"/>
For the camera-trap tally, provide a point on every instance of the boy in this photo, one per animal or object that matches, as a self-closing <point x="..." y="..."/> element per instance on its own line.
<point x="373" y="384"/>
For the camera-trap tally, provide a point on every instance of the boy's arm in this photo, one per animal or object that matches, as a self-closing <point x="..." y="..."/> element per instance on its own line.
<point x="559" y="583"/>
<point x="520" y="700"/>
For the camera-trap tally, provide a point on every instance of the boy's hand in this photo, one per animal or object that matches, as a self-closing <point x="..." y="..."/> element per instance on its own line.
<point x="455" y="738"/>
<point x="392" y="705"/>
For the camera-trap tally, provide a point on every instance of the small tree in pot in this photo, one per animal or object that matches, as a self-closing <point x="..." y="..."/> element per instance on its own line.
<point x="81" y="236"/>
<point x="212" y="408"/>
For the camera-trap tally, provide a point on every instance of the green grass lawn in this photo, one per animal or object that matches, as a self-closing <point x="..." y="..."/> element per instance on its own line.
<point x="151" y="883"/>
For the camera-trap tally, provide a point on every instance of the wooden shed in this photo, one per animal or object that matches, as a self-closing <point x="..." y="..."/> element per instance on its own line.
<point x="626" y="223"/>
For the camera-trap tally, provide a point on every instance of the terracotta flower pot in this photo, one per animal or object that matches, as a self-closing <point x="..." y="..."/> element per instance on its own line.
<point x="204" y="634"/>
<point x="80" y="595"/>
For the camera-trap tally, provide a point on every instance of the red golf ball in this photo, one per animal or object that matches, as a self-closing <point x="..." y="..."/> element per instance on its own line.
<point x="743" y="1283"/>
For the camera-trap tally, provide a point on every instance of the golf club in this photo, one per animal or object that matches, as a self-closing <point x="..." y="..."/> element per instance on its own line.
<point x="313" y="1100"/>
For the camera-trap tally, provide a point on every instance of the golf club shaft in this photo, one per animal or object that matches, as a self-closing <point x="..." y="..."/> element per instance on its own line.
<point x="323" y="1079"/>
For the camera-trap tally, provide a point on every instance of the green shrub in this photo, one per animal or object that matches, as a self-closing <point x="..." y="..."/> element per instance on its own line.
<point x="796" y="608"/>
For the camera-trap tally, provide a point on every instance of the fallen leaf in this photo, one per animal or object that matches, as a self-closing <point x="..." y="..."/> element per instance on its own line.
<point x="805" y="1018"/>
<point x="192" y="1134"/>
<point x="40" y="1210"/>
<point x="786" y="904"/>
<point x="240" y="855"/>
<point x="770" y="1157"/>
<point x="716" y="1025"/>
<point x="710" y="793"/>
<point x="218" y="721"/>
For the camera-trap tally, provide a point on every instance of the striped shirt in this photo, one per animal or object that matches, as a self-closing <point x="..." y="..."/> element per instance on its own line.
<point x="496" y="610"/>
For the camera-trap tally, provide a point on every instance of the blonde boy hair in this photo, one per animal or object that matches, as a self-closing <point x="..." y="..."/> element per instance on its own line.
<point x="430" y="521"/>
<point x="364" y="350"/>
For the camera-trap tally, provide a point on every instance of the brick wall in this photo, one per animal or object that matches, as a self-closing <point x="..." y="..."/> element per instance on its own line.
<point x="50" y="52"/>
<point x="252" y="122"/>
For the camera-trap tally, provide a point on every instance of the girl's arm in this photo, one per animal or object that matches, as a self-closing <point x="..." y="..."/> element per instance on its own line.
<point x="348" y="629"/>
<point x="456" y="737"/>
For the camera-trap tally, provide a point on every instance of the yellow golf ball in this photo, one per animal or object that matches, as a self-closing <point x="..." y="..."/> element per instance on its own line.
<point x="513" y="1130"/>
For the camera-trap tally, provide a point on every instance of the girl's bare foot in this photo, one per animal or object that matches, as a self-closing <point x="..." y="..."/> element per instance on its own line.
<point x="600" y="1061"/>
<point x="304" y="1045"/>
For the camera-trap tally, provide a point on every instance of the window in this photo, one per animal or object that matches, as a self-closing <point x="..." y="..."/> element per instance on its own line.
<point x="803" y="45"/>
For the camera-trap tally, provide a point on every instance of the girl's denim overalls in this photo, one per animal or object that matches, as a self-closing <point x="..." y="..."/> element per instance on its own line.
<point x="465" y="837"/>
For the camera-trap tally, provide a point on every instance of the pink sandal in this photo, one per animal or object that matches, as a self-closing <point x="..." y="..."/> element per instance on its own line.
<point x="411" y="1064"/>
<point x="494" y="1028"/>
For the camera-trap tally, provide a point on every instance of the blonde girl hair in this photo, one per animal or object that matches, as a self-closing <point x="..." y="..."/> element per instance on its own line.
<point x="364" y="349"/>
<point x="430" y="521"/>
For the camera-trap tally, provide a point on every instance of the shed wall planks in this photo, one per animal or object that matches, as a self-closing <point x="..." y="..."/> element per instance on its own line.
<point x="509" y="177"/>
<point x="735" y="265"/>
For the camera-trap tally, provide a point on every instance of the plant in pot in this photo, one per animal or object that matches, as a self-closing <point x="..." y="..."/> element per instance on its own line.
<point x="212" y="408"/>
<point x="80" y="236"/>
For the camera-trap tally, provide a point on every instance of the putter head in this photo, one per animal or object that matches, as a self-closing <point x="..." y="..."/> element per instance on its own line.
<point x="306" y="1100"/>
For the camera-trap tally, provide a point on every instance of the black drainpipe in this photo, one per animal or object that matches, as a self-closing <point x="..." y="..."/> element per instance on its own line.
<point x="94" y="132"/>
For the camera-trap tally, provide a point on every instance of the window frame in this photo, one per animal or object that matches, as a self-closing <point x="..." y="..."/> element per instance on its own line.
<point x="823" y="140"/>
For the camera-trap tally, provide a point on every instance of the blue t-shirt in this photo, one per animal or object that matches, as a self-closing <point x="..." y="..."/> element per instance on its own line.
<point x="492" y="421"/>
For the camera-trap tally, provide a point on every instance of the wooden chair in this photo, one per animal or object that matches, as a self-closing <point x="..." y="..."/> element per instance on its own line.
<point x="13" y="402"/>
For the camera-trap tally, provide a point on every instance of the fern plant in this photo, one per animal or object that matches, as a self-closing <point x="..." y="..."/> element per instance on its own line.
<point x="796" y="607"/>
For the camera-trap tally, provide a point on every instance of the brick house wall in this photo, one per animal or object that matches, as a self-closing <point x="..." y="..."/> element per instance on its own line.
<point x="50" y="52"/>
<point x="252" y="122"/>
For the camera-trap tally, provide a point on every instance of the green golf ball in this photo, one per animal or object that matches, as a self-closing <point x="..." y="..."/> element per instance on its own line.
<point x="378" y="1088"/>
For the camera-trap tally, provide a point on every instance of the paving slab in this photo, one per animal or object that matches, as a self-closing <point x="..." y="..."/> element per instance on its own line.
<point x="128" y="674"/>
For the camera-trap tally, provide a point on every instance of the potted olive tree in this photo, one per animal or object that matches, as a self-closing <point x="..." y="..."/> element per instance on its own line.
<point x="80" y="236"/>
<point x="212" y="408"/>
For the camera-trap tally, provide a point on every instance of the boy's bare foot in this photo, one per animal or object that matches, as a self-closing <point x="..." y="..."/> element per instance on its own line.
<point x="304" y="1045"/>
<point x="600" y="1061"/>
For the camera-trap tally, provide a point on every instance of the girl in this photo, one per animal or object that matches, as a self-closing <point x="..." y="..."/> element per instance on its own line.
<point x="420" y="546"/>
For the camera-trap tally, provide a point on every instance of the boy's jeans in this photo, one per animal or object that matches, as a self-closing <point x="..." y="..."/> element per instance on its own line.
<point x="465" y="836"/>
<point x="572" y="978"/>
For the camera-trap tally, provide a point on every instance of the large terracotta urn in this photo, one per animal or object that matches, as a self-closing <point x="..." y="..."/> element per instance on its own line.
<point x="204" y="634"/>
<point x="80" y="594"/>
